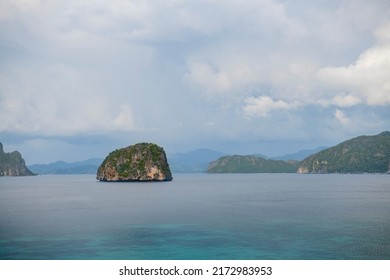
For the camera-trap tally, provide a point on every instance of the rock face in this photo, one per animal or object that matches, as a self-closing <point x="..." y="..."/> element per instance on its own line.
<point x="12" y="164"/>
<point x="139" y="162"/>
<point x="363" y="154"/>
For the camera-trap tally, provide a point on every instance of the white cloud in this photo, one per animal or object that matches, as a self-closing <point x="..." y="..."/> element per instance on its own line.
<point x="341" y="117"/>
<point x="296" y="72"/>
<point x="263" y="105"/>
<point x="125" y="119"/>
<point x="150" y="21"/>
<point x="100" y="66"/>
<point x="58" y="101"/>
<point x="341" y="101"/>
<point x="346" y="101"/>
<point x="221" y="80"/>
<point x="368" y="78"/>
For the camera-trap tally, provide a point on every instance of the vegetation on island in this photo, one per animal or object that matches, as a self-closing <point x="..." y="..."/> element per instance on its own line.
<point x="363" y="154"/>
<point x="250" y="164"/>
<point x="139" y="162"/>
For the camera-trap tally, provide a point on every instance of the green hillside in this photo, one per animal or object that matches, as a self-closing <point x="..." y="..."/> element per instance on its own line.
<point x="363" y="154"/>
<point x="249" y="164"/>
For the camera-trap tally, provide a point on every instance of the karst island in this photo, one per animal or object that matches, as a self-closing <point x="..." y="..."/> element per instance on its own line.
<point x="13" y="164"/>
<point x="141" y="162"/>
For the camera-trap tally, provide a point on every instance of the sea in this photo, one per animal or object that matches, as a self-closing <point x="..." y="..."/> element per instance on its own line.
<point x="196" y="217"/>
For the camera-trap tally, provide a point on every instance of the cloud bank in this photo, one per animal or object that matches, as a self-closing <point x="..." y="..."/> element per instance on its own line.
<point x="221" y="74"/>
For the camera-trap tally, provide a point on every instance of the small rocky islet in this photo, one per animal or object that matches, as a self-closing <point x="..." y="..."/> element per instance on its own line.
<point x="141" y="162"/>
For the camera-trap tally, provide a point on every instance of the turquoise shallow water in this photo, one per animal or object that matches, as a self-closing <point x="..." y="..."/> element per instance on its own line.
<point x="196" y="216"/>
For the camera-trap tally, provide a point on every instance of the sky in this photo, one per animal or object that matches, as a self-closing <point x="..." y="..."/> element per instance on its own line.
<point x="79" y="79"/>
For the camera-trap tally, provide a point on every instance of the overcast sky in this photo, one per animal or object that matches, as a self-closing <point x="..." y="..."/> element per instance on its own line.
<point x="81" y="78"/>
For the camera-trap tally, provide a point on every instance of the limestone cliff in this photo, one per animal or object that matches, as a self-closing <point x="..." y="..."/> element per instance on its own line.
<point x="12" y="164"/>
<point x="139" y="162"/>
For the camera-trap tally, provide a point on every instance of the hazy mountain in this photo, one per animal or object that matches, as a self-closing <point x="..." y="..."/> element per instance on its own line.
<point x="363" y="154"/>
<point x="249" y="164"/>
<point x="89" y="166"/>
<point x="192" y="162"/>
<point x="300" y="155"/>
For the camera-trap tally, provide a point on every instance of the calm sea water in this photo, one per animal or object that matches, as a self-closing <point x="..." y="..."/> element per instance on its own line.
<point x="196" y="216"/>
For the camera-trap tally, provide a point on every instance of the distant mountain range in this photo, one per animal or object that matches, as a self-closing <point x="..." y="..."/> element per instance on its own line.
<point x="195" y="161"/>
<point x="192" y="162"/>
<point x="358" y="155"/>
<point x="300" y="155"/>
<point x="89" y="166"/>
<point x="363" y="154"/>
